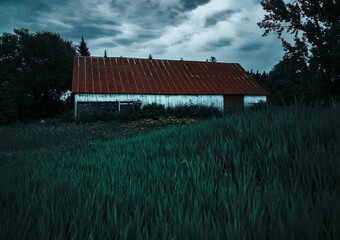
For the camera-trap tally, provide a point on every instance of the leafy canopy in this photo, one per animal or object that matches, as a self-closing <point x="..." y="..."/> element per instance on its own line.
<point x="309" y="31"/>
<point x="35" y="70"/>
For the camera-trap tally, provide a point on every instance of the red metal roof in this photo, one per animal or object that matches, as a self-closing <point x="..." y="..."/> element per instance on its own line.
<point x="144" y="76"/>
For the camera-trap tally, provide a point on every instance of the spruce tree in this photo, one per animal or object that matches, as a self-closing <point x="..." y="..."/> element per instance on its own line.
<point x="105" y="54"/>
<point x="82" y="49"/>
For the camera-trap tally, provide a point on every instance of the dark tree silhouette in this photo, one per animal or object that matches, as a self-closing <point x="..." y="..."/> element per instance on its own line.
<point x="150" y="57"/>
<point x="315" y="28"/>
<point x="35" y="71"/>
<point x="212" y="59"/>
<point x="82" y="49"/>
<point x="105" y="54"/>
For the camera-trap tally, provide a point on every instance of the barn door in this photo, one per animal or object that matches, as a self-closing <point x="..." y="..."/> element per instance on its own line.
<point x="233" y="103"/>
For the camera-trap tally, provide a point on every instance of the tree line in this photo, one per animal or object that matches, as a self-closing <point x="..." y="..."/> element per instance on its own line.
<point x="35" y="74"/>
<point x="309" y="70"/>
<point x="36" y="68"/>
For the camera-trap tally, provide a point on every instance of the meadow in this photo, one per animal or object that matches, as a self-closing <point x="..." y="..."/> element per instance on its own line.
<point x="273" y="173"/>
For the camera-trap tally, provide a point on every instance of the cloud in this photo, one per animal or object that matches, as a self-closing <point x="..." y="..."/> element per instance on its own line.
<point x="168" y="29"/>
<point x="221" y="16"/>
<point x="215" y="45"/>
<point x="192" y="4"/>
<point x="125" y="41"/>
<point x="252" y="47"/>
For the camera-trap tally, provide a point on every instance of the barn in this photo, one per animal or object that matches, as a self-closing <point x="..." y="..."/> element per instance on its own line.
<point x="124" y="84"/>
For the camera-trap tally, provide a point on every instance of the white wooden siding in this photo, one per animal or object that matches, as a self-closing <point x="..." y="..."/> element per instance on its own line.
<point x="251" y="100"/>
<point x="166" y="100"/>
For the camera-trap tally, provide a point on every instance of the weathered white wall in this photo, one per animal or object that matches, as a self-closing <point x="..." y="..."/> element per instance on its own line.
<point x="166" y="100"/>
<point x="251" y="100"/>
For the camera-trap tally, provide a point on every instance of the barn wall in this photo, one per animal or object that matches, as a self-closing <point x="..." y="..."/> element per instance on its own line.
<point x="145" y="99"/>
<point x="251" y="100"/>
<point x="166" y="100"/>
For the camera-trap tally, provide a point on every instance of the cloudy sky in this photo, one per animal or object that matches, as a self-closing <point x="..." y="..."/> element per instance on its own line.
<point x="166" y="29"/>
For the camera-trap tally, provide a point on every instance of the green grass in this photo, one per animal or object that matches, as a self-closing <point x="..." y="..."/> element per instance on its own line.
<point x="270" y="174"/>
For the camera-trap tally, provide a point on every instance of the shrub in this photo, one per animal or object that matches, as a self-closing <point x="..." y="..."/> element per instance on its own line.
<point x="194" y="111"/>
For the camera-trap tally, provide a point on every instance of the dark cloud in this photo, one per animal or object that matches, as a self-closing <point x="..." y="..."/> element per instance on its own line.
<point x="145" y="37"/>
<point x="125" y="41"/>
<point x="107" y="45"/>
<point x="214" y="45"/>
<point x="166" y="29"/>
<point x="192" y="4"/>
<point x="89" y="32"/>
<point x="252" y="47"/>
<point x="150" y="14"/>
<point x="221" y="16"/>
<point x="140" y="38"/>
<point x="11" y="12"/>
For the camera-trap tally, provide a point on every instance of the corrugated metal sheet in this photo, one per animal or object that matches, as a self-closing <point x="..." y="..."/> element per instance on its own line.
<point x="144" y="76"/>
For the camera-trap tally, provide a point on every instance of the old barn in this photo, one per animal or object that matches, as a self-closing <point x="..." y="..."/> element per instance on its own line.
<point x="123" y="84"/>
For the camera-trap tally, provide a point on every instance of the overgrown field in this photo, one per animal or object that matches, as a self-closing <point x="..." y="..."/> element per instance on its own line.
<point x="269" y="174"/>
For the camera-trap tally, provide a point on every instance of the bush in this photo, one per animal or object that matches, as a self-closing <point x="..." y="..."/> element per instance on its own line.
<point x="194" y="111"/>
<point x="153" y="111"/>
<point x="258" y="106"/>
<point x="66" y="117"/>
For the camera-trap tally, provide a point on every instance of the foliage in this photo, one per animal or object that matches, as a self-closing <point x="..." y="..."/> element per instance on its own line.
<point x="314" y="26"/>
<point x="150" y="57"/>
<point x="194" y="111"/>
<point x="212" y="59"/>
<point x="82" y="49"/>
<point x="242" y="177"/>
<point x="156" y="111"/>
<point x="287" y="84"/>
<point x="35" y="70"/>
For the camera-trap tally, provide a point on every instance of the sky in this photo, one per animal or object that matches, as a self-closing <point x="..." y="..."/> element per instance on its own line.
<point x="193" y="30"/>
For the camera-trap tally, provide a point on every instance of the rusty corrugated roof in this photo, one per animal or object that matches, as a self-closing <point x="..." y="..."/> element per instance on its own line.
<point x="144" y="76"/>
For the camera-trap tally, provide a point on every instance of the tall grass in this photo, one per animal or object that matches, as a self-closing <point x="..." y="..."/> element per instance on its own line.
<point x="270" y="174"/>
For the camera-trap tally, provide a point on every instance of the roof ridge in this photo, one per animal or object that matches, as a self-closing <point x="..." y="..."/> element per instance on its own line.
<point x="158" y="59"/>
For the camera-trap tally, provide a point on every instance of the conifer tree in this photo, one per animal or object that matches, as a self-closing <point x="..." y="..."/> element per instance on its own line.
<point x="105" y="54"/>
<point x="82" y="49"/>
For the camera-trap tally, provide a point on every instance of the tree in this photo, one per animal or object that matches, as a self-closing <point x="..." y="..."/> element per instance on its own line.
<point x="82" y="49"/>
<point x="287" y="83"/>
<point x="212" y="59"/>
<point x="105" y="54"/>
<point x="315" y="28"/>
<point x="35" y="70"/>
<point x="150" y="57"/>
